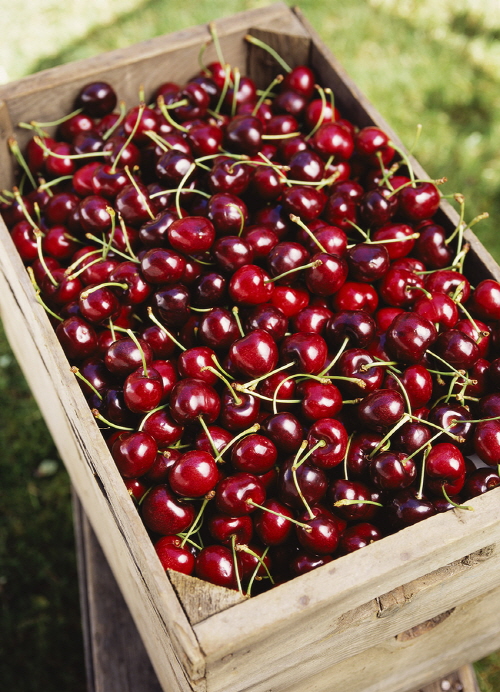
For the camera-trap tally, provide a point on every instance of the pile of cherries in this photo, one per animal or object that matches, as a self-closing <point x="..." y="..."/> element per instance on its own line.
<point x="273" y="331"/>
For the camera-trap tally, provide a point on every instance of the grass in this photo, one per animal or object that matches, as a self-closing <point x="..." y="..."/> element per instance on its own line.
<point x="418" y="61"/>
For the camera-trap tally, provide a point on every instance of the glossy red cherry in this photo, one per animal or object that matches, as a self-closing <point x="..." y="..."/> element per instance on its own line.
<point x="191" y="398"/>
<point x="254" y="354"/>
<point x="382" y="409"/>
<point x="236" y="494"/>
<point x="254" y="454"/>
<point x="194" y="474"/>
<point x="173" y="556"/>
<point x="134" y="453"/>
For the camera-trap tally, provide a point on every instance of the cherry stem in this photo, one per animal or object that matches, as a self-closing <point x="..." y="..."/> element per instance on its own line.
<point x="228" y="384"/>
<point x="215" y="38"/>
<point x="140" y="111"/>
<point x="123" y="108"/>
<point x="347" y="454"/>
<point x="236" y="314"/>
<point x="295" y="465"/>
<point x="236" y="88"/>
<point x="246" y="549"/>
<point x="100" y="417"/>
<point x="241" y="388"/>
<point x="141" y="350"/>
<point x="133" y="257"/>
<point x="277" y="80"/>
<point x="149" y="414"/>
<point x="101" y="242"/>
<point x="446" y="430"/>
<point x="38" y="237"/>
<point x="287" y="135"/>
<point x="16" y="152"/>
<point x="434" y="355"/>
<point x="346" y="503"/>
<point x="190" y="170"/>
<point x="225" y="87"/>
<point x="139" y="192"/>
<point x="106" y="248"/>
<point x="406" y="160"/>
<point x="457" y="506"/>
<point x="164" y="329"/>
<point x="260" y="44"/>
<point x="207" y="433"/>
<point x="45" y="307"/>
<point x="85" y="294"/>
<point x="404" y="419"/>
<point x="77" y="372"/>
<point x="359" y="230"/>
<point x="316" y="263"/>
<point x="460" y="225"/>
<point x="335" y="359"/>
<point x="49" y="152"/>
<point x="321" y="118"/>
<point x="253" y="383"/>
<point x="319" y="445"/>
<point x="164" y="111"/>
<point x="434" y="437"/>
<point x="299" y="222"/>
<point x="422" y="475"/>
<point x="196" y="525"/>
<point x="219" y="366"/>
<point x="235" y="563"/>
<point x="235" y="439"/>
<point x="278" y="514"/>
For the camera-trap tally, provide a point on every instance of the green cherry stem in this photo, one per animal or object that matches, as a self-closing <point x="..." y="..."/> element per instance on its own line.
<point x="235" y="563"/>
<point x="299" y="222"/>
<point x="457" y="506"/>
<point x="100" y="417"/>
<point x="196" y="525"/>
<point x="164" y="329"/>
<point x="78" y="374"/>
<point x="235" y="439"/>
<point x="404" y="419"/>
<point x="141" y="351"/>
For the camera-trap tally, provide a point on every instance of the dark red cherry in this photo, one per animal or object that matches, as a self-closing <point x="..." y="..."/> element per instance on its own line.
<point x="285" y="431"/>
<point x="97" y="99"/>
<point x="332" y="435"/>
<point x="134" y="453"/>
<point x="173" y="556"/>
<point x="358" y="496"/>
<point x="143" y="391"/>
<point x="457" y="349"/>
<point x="319" y="400"/>
<point x="392" y="471"/>
<point x="486" y="300"/>
<point x="250" y="285"/>
<point x="407" y="508"/>
<point x="77" y="338"/>
<point x="254" y="454"/>
<point x="431" y="247"/>
<point x="419" y="202"/>
<point x="215" y="564"/>
<point x="367" y="262"/>
<point x="194" y="474"/>
<point x="382" y="409"/>
<point x="409" y="336"/>
<point x="123" y="356"/>
<point x="487" y="441"/>
<point x="191" y="398"/>
<point x="223" y="527"/>
<point x="254" y="354"/>
<point x="358" y="536"/>
<point x="268" y="318"/>
<point x="329" y="274"/>
<point x="307" y="351"/>
<point x="355" y="325"/>
<point x="273" y="529"/>
<point x="218" y="329"/>
<point x="309" y="478"/>
<point x="236" y="494"/>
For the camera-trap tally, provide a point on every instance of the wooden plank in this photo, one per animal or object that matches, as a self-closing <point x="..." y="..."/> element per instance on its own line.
<point x="172" y="57"/>
<point x="318" y="627"/>
<point x="116" y="660"/>
<point x="115" y="656"/>
<point x="148" y="592"/>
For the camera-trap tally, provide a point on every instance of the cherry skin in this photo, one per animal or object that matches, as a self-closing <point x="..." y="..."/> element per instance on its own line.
<point x="321" y="537"/>
<point x="307" y="351"/>
<point x="311" y="480"/>
<point x="273" y="529"/>
<point x="419" y="202"/>
<point x="143" y="391"/>
<point x="360" y="510"/>
<point x="333" y="436"/>
<point x="236" y="494"/>
<point x="382" y="409"/>
<point x="215" y="564"/>
<point x="191" y="398"/>
<point x="254" y="354"/>
<point x="407" y="508"/>
<point x="355" y="325"/>
<point x="268" y="318"/>
<point x="285" y="431"/>
<point x="194" y="474"/>
<point x="487" y="441"/>
<point x="358" y="536"/>
<point x="164" y="513"/>
<point x="77" y="338"/>
<point x="319" y="400"/>
<point x="134" y="453"/>
<point x="223" y="527"/>
<point x="218" y="329"/>
<point x="254" y="454"/>
<point x="409" y="336"/>
<point x="173" y="556"/>
<point x="123" y="356"/>
<point x="392" y="471"/>
<point x="250" y="285"/>
<point x="162" y="428"/>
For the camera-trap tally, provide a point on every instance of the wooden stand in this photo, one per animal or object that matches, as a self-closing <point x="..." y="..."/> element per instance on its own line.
<point x="115" y="657"/>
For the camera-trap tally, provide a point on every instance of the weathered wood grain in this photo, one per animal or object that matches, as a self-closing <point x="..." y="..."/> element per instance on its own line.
<point x="364" y="612"/>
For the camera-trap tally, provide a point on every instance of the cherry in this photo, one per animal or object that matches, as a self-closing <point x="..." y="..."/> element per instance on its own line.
<point x="457" y="349"/>
<point x="382" y="409"/>
<point x="351" y="500"/>
<point x="332" y="435"/>
<point x="162" y="428"/>
<point x="250" y="285"/>
<point x="143" y="390"/>
<point x="321" y="537"/>
<point x="289" y="300"/>
<point x="134" y="453"/>
<point x="420" y="201"/>
<point x="319" y="400"/>
<point x="304" y="562"/>
<point x="285" y="431"/>
<point x="358" y="536"/>
<point x="307" y="351"/>
<point x="355" y="296"/>
<point x="268" y="318"/>
<point x="237" y="495"/>
<point x="77" y="338"/>
<point x="392" y="471"/>
<point x="215" y="564"/>
<point x="173" y="556"/>
<point x="407" y="508"/>
<point x="310" y="479"/>
<point x="162" y="266"/>
<point x="97" y="99"/>
<point x="191" y="398"/>
<point x="367" y="262"/>
<point x="371" y="141"/>
<point x="194" y="474"/>
<point x="238" y="412"/>
<point x="355" y="325"/>
<point x="223" y="527"/>
<point x="486" y="300"/>
<point x="218" y="329"/>
<point x="358" y="458"/>
<point x="487" y="441"/>
<point x="417" y="382"/>
<point x="273" y="527"/>
<point x="409" y="336"/>
<point x="431" y="247"/>
<point x="328" y="274"/>
<point x="254" y="454"/>
<point x="479" y="482"/>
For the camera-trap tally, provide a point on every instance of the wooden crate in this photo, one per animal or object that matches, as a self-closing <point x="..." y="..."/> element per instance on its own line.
<point x="390" y="617"/>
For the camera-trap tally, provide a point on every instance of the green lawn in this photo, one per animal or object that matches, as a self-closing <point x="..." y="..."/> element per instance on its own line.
<point x="418" y="61"/>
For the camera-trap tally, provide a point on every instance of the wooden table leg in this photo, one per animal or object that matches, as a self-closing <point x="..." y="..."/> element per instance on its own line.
<point x="116" y="660"/>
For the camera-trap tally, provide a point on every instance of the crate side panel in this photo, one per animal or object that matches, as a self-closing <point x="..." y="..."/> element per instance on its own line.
<point x="326" y="637"/>
<point x="171" y="57"/>
<point x="149" y="595"/>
